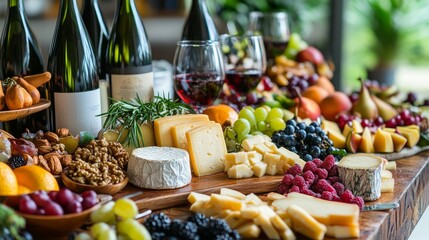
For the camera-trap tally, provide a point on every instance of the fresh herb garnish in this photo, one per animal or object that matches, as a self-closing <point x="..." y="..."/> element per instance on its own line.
<point x="127" y="116"/>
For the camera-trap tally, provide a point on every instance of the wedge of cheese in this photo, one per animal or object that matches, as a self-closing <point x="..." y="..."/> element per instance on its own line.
<point x="162" y="126"/>
<point x="304" y="223"/>
<point x="207" y="149"/>
<point x="343" y="231"/>
<point x="178" y="133"/>
<point x="325" y="212"/>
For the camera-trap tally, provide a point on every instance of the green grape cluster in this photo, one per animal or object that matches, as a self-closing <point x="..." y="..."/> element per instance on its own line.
<point x="115" y="220"/>
<point x="295" y="45"/>
<point x="262" y="120"/>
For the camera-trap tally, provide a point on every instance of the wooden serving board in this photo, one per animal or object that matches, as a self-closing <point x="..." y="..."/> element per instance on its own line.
<point x="161" y="199"/>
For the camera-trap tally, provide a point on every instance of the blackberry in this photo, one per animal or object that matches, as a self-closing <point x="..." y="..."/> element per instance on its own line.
<point x="215" y="228"/>
<point x="16" y="161"/>
<point x="158" y="223"/>
<point x="157" y="235"/>
<point x="184" y="230"/>
<point x="199" y="219"/>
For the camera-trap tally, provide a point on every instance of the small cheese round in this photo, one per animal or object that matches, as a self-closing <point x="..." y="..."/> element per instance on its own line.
<point x="159" y="168"/>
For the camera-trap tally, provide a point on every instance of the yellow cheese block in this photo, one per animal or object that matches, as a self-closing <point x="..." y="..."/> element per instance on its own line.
<point x="387" y="185"/>
<point x="250" y="212"/>
<point x="254" y="157"/>
<point x="232" y="193"/>
<point x="249" y="230"/>
<point x="237" y="158"/>
<point x="343" y="231"/>
<point x="273" y="162"/>
<point x="235" y="220"/>
<point x="226" y="202"/>
<point x="259" y="169"/>
<point x="305" y="224"/>
<point x="178" y="133"/>
<point x="325" y="212"/>
<point x="240" y="171"/>
<point x="263" y="220"/>
<point x="162" y="126"/>
<point x="291" y="157"/>
<point x="194" y="196"/>
<point x="207" y="149"/>
<point x="249" y="143"/>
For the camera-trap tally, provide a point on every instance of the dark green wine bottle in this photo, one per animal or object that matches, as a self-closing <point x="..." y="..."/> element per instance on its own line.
<point x="199" y="25"/>
<point x="74" y="69"/>
<point x="99" y="35"/>
<point x="129" y="59"/>
<point x="20" y="56"/>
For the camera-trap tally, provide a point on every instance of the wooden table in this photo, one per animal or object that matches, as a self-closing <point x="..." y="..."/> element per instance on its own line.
<point x="411" y="192"/>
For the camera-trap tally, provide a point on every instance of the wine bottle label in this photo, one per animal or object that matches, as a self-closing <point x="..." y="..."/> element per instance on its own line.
<point x="128" y="86"/>
<point x="78" y="111"/>
<point x="104" y="96"/>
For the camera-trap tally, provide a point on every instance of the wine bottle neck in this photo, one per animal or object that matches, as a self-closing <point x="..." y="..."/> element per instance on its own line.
<point x="16" y="3"/>
<point x="126" y="5"/>
<point x="68" y="6"/>
<point x="91" y="3"/>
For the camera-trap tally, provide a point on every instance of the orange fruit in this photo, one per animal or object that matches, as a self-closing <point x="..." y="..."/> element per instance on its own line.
<point x="23" y="190"/>
<point x="221" y="113"/>
<point x="8" y="181"/>
<point x="36" y="178"/>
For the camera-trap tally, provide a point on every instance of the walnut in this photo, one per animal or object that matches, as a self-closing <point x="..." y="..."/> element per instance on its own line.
<point x="43" y="163"/>
<point x="51" y="137"/>
<point x="54" y="164"/>
<point x="41" y="142"/>
<point x="63" y="132"/>
<point x="66" y="160"/>
<point x="44" y="149"/>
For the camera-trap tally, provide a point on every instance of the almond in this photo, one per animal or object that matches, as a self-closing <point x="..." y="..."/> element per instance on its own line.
<point x="54" y="164"/>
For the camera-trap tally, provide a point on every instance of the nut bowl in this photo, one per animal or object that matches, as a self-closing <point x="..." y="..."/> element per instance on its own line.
<point x="79" y="187"/>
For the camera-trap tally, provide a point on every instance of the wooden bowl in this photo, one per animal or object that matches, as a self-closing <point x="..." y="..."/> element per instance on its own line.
<point x="45" y="227"/>
<point x="79" y="187"/>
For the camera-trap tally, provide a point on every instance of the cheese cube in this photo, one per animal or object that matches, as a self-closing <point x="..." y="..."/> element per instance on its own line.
<point x="343" y="231"/>
<point x="178" y="133"/>
<point x="259" y="169"/>
<point x="232" y="193"/>
<point x="207" y="149"/>
<point x="387" y="185"/>
<point x="272" y="160"/>
<point x="248" y="143"/>
<point x="254" y="157"/>
<point x="271" y="145"/>
<point x="240" y="171"/>
<point x="304" y="223"/>
<point x="262" y="148"/>
<point x="291" y="157"/>
<point x="249" y="230"/>
<point x="194" y="197"/>
<point x="162" y="126"/>
<point x="237" y="158"/>
<point x="226" y="202"/>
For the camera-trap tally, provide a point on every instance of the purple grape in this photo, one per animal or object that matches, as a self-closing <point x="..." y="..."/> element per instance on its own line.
<point x="65" y="196"/>
<point x="74" y="207"/>
<point x="251" y="98"/>
<point x="89" y="202"/>
<point x="313" y="79"/>
<point x="53" y="195"/>
<point x="53" y="208"/>
<point x="27" y="205"/>
<point x="40" y="198"/>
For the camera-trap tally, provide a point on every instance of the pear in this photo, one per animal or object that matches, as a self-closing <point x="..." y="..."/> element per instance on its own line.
<point x="385" y="110"/>
<point x="365" y="106"/>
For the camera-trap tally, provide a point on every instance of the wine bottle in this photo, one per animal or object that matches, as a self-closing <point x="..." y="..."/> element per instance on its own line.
<point x="20" y="56"/>
<point x="99" y="35"/>
<point x="199" y="25"/>
<point x="129" y="59"/>
<point x="73" y="65"/>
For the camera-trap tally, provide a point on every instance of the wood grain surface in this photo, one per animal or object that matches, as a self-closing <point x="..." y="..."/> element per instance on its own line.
<point x="411" y="192"/>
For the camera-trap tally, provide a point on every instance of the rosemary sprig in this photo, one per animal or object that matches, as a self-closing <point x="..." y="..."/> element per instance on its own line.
<point x="128" y="115"/>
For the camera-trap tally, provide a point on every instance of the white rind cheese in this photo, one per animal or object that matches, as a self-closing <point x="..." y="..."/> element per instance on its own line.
<point x="159" y="168"/>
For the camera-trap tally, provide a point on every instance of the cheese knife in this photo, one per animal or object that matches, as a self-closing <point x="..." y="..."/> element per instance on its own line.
<point x="381" y="206"/>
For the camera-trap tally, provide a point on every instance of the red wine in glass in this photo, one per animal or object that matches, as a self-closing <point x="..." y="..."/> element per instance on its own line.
<point x="243" y="81"/>
<point x="274" y="48"/>
<point x="198" y="90"/>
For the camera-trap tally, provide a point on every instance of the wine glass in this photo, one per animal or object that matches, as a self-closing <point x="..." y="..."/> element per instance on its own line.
<point x="245" y="62"/>
<point x="198" y="72"/>
<point x="274" y="27"/>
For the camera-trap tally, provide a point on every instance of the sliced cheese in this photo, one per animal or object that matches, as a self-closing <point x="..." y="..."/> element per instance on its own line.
<point x="194" y="196"/>
<point x="235" y="220"/>
<point x="159" y="168"/>
<point x="162" y="126"/>
<point x="240" y="171"/>
<point x="207" y="149"/>
<point x="262" y="148"/>
<point x="387" y="185"/>
<point x="249" y="230"/>
<point x="178" y="133"/>
<point x="232" y="193"/>
<point x="250" y="212"/>
<point x="263" y="220"/>
<point x="226" y="202"/>
<point x="325" y="212"/>
<point x="304" y="223"/>
<point x="343" y="231"/>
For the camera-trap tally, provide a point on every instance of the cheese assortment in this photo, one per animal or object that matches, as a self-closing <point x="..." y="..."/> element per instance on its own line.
<point x="260" y="157"/>
<point x="361" y="174"/>
<point x="159" y="168"/>
<point x="178" y="133"/>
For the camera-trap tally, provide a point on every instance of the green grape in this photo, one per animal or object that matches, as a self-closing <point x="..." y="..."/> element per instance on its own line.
<point x="247" y="114"/>
<point x="294" y="41"/>
<point x="230" y="133"/>
<point x="110" y="234"/>
<point x="83" y="236"/>
<point x="277" y="124"/>
<point x="260" y="114"/>
<point x="257" y="133"/>
<point x="268" y="108"/>
<point x="269" y="132"/>
<point x="104" y="213"/>
<point x="133" y="230"/>
<point x="240" y="138"/>
<point x="274" y="113"/>
<point x="262" y="126"/>
<point x="125" y="208"/>
<point x="241" y="126"/>
<point x="98" y="228"/>
<point x="249" y="108"/>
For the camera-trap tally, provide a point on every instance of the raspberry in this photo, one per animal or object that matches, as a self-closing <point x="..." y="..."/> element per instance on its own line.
<point x="318" y="162"/>
<point x="339" y="187"/>
<point x="321" y="185"/>
<point x="359" y="201"/>
<point x="328" y="162"/>
<point x="347" y="196"/>
<point x="336" y="198"/>
<point x="309" y="166"/>
<point x="321" y="173"/>
<point x="300" y="182"/>
<point x="307" y="192"/>
<point x="308" y="177"/>
<point x="326" y="195"/>
<point x="333" y="180"/>
<point x="282" y="188"/>
<point x="333" y="172"/>
<point x="294" y="189"/>
<point x="330" y="189"/>
<point x="287" y="179"/>
<point x="294" y="170"/>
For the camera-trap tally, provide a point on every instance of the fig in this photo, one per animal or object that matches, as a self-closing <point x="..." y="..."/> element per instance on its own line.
<point x="20" y="146"/>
